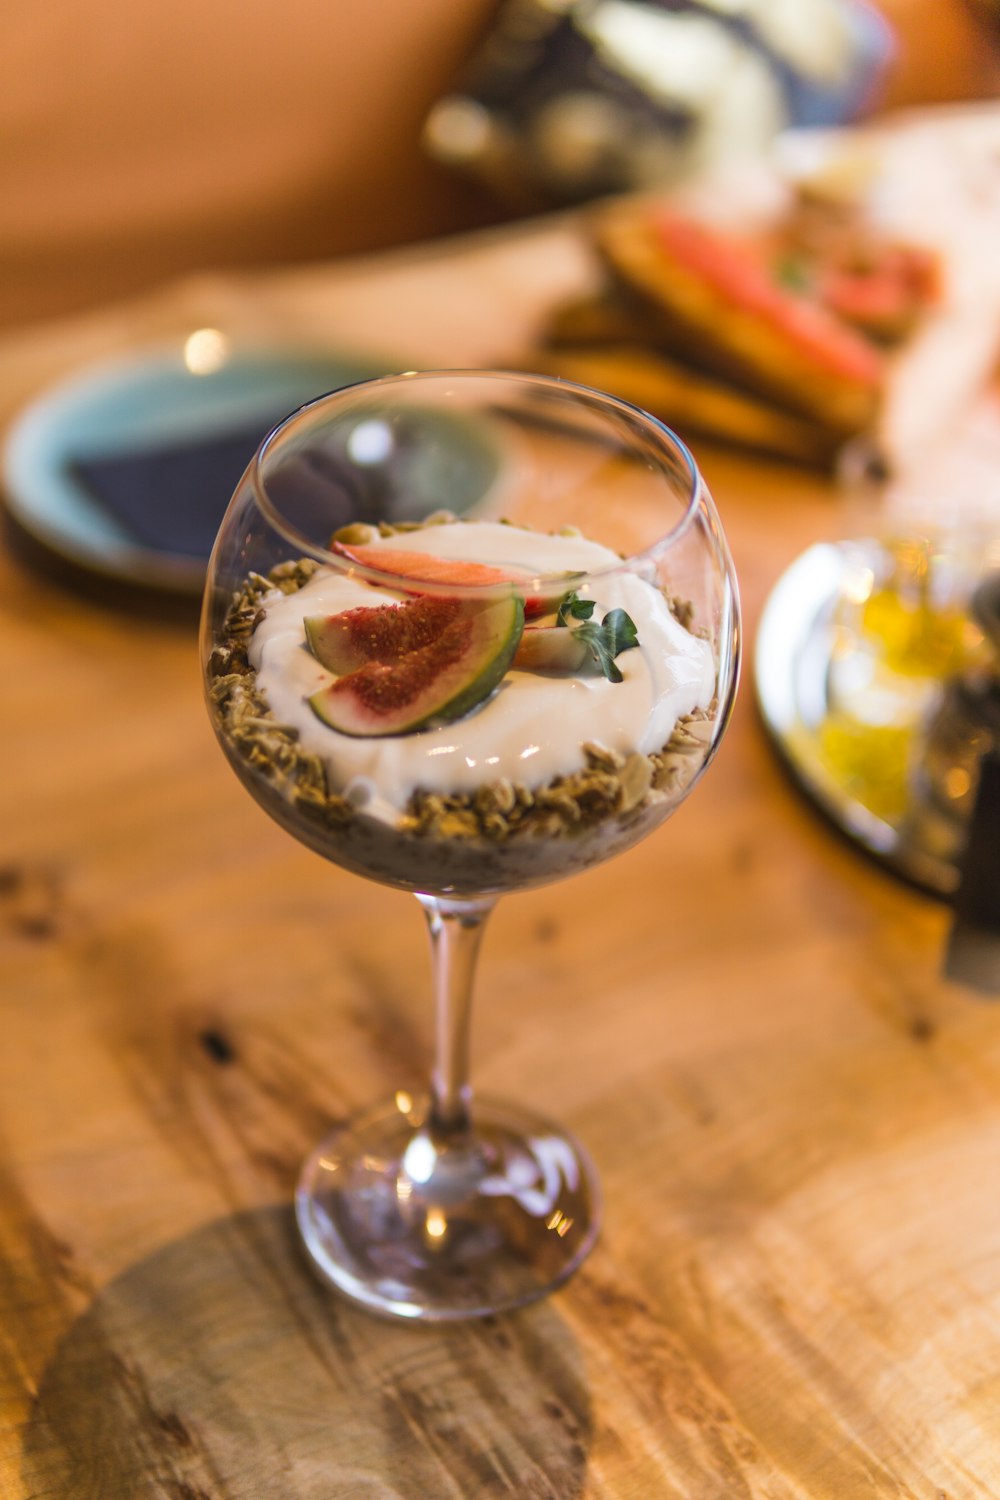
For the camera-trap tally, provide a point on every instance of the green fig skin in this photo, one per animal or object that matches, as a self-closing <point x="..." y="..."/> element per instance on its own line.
<point x="434" y="684"/>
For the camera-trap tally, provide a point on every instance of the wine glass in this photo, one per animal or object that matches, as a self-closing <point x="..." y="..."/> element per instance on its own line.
<point x="465" y="633"/>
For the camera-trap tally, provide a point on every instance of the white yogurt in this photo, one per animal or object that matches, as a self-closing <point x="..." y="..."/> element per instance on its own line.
<point x="534" y="727"/>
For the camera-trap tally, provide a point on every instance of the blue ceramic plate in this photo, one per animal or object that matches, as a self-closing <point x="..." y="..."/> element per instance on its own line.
<point x="76" y="461"/>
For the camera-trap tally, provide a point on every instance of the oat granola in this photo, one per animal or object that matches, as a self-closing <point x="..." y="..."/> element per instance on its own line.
<point x="610" y="785"/>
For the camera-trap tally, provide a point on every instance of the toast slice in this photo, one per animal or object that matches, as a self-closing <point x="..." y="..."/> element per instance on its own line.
<point x="716" y="302"/>
<point x="689" y="401"/>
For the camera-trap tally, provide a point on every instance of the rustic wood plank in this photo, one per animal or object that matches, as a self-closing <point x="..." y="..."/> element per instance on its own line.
<point x="797" y="1292"/>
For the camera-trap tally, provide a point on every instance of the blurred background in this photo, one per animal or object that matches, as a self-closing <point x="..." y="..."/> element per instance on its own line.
<point x="144" y="142"/>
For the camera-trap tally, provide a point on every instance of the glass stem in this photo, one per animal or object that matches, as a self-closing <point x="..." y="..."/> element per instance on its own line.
<point x="456" y="931"/>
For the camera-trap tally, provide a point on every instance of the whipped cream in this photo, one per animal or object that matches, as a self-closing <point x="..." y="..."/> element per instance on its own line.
<point x="534" y="726"/>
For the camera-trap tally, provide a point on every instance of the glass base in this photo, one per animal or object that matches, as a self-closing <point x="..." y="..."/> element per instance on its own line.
<point x="414" y="1222"/>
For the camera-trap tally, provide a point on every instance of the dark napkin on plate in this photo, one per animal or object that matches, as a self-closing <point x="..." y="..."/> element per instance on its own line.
<point x="172" y="498"/>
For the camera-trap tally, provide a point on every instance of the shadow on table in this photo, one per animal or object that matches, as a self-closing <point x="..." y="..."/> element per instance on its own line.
<point x="179" y="607"/>
<point x="221" y="1367"/>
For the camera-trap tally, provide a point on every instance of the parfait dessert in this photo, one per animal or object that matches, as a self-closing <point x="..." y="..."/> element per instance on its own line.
<point x="465" y="633"/>
<point x="462" y="706"/>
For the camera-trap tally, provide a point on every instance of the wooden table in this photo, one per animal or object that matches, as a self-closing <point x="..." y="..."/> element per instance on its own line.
<point x="796" y="1120"/>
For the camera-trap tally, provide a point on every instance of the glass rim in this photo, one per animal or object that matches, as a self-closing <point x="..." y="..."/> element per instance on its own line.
<point x="590" y="395"/>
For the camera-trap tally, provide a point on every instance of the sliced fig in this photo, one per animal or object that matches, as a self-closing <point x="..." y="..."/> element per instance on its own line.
<point x="425" y="567"/>
<point x="432" y="684"/>
<point x="551" y="648"/>
<point x="348" y="640"/>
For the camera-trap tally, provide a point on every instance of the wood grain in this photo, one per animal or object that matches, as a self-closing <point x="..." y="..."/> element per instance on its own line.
<point x="797" y="1122"/>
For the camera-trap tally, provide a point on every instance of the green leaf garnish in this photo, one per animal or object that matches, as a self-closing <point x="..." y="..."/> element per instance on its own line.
<point x="792" y="273"/>
<point x="574" y="608"/>
<point x="615" y="634"/>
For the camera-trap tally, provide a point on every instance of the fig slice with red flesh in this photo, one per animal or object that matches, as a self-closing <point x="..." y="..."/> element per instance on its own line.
<point x="354" y="637"/>
<point x="425" y="567"/>
<point x="433" y="683"/>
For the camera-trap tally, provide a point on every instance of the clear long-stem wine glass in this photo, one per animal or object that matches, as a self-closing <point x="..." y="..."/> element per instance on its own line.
<point x="465" y="633"/>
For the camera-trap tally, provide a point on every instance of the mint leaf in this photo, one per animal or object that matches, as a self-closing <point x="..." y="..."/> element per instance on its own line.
<point x="615" y="634"/>
<point x="574" y="608"/>
<point x="619" y="631"/>
<point x="593" y="639"/>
